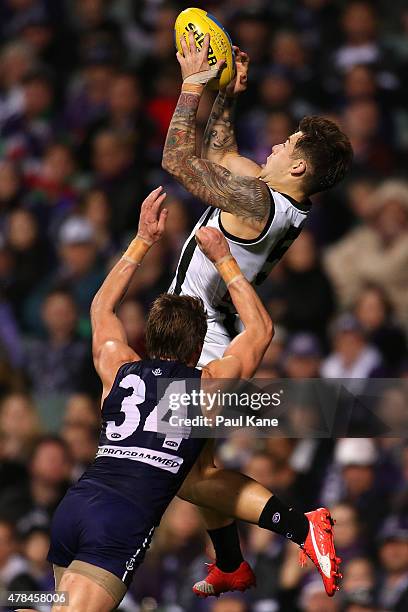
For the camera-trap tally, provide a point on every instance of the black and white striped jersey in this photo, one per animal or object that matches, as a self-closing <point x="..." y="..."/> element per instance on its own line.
<point x="197" y="276"/>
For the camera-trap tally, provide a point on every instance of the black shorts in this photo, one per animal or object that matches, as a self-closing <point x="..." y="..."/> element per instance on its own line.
<point x="96" y="525"/>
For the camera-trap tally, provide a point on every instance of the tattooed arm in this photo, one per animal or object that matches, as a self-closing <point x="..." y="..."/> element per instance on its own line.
<point x="219" y="143"/>
<point x="244" y="196"/>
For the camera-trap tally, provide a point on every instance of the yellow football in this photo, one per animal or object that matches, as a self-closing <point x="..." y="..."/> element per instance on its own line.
<point x="201" y="23"/>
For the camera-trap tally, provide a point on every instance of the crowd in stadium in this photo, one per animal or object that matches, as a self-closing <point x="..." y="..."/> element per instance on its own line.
<point x="87" y="90"/>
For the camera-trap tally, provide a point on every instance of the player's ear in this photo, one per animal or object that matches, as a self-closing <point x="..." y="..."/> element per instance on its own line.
<point x="298" y="168"/>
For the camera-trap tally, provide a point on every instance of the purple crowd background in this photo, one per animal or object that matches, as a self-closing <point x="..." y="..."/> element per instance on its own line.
<point x="87" y="90"/>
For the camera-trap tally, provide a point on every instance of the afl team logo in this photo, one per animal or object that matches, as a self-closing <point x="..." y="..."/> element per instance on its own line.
<point x="157" y="372"/>
<point x="276" y="517"/>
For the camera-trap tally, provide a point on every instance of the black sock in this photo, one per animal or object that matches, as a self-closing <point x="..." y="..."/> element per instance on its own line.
<point x="227" y="547"/>
<point x="289" y="522"/>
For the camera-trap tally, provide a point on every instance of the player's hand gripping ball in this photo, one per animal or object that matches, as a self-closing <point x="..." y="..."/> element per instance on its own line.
<point x="200" y="23"/>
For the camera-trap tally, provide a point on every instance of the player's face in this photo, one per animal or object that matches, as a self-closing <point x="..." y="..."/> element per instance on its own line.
<point x="281" y="159"/>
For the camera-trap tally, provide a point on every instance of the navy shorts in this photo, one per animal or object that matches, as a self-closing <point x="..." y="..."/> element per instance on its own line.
<point x="96" y="525"/>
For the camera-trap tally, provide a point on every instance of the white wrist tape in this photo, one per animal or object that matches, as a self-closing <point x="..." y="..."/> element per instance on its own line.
<point x="228" y="269"/>
<point x="202" y="78"/>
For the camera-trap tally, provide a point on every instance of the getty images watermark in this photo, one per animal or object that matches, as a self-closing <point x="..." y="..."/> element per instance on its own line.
<point x="307" y="408"/>
<point x="212" y="402"/>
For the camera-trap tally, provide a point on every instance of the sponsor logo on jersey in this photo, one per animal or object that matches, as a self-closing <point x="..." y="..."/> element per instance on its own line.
<point x="157" y="372"/>
<point x="163" y="461"/>
<point x="171" y="443"/>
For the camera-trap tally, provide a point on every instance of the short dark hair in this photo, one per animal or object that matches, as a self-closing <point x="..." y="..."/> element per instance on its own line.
<point x="328" y="151"/>
<point x="176" y="327"/>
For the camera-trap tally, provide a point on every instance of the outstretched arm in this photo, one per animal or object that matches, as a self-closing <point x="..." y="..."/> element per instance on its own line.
<point x="243" y="356"/>
<point x="244" y="196"/>
<point x="109" y="343"/>
<point x="219" y="142"/>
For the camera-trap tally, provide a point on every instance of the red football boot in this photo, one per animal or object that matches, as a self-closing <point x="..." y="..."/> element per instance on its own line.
<point x="319" y="547"/>
<point x="218" y="582"/>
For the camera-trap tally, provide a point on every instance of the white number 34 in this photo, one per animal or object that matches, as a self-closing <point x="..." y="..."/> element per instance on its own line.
<point x="132" y="413"/>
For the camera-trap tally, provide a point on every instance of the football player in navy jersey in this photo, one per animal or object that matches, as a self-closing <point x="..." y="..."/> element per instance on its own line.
<point x="104" y="524"/>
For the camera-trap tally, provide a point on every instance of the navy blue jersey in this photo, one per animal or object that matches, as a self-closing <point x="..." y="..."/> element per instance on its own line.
<point x="146" y="467"/>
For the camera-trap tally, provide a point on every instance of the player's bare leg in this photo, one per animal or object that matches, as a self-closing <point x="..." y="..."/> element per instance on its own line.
<point x="235" y="495"/>
<point x="227" y="493"/>
<point x="224" y="535"/>
<point x="84" y="595"/>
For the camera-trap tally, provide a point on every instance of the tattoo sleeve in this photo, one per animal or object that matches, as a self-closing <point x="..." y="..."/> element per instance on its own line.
<point x="219" y="136"/>
<point x="243" y="196"/>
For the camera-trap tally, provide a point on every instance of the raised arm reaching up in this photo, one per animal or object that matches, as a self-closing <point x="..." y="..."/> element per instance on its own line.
<point x="244" y="196"/>
<point x="244" y="354"/>
<point x="219" y="142"/>
<point x="109" y="342"/>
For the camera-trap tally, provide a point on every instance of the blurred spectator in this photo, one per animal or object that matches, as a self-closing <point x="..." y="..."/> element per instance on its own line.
<point x="97" y="211"/>
<point x="35" y="546"/>
<point x="353" y="479"/>
<point x="251" y="32"/>
<point x="349" y="544"/>
<point x="11" y="349"/>
<point x="375" y="314"/>
<point x="310" y="299"/>
<point x="177" y="542"/>
<point x="124" y="116"/>
<point x="377" y="252"/>
<point x="393" y="553"/>
<point x="358" y="574"/>
<point x="55" y="364"/>
<point x="10" y="188"/>
<point x="392" y="408"/>
<point x="177" y="226"/>
<point x="14" y="569"/>
<point x="360" y="46"/>
<point x="30" y="255"/>
<point x="27" y="133"/>
<point x="53" y="186"/>
<point x="87" y="99"/>
<point x="132" y="315"/>
<point x="236" y="451"/>
<point x="314" y="599"/>
<point x="16" y="60"/>
<point x="361" y="600"/>
<point x="116" y="175"/>
<point x="80" y="409"/>
<point x="229" y="604"/>
<point x="82" y="443"/>
<point x="353" y="357"/>
<point x="19" y="426"/>
<point x="289" y="52"/>
<point x="372" y="151"/>
<point x="79" y="272"/>
<point x="50" y="470"/>
<point x="303" y="356"/>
